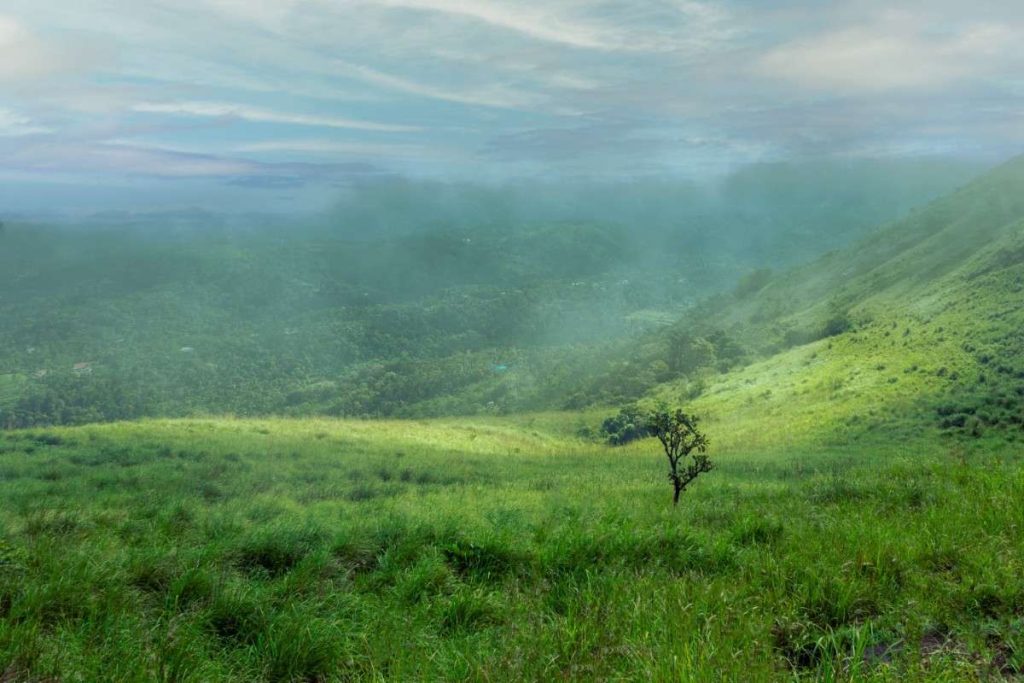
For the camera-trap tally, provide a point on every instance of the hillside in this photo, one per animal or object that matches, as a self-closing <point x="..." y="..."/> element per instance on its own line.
<point x="917" y="327"/>
<point x="411" y="301"/>
<point x="495" y="319"/>
<point x="971" y="232"/>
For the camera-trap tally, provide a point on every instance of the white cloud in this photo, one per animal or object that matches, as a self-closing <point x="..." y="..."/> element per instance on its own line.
<point x="112" y="158"/>
<point x="516" y="17"/>
<point x="265" y="12"/>
<point x="24" y="55"/>
<point x="893" y="54"/>
<point x="544" y="71"/>
<point x="247" y="113"/>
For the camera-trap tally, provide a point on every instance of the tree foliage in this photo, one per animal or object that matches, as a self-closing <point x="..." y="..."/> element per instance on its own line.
<point x="684" y="444"/>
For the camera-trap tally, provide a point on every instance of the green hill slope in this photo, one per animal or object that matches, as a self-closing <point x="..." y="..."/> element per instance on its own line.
<point x="920" y="326"/>
<point x="979" y="224"/>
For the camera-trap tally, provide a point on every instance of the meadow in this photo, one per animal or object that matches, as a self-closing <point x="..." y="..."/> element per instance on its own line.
<point x="502" y="549"/>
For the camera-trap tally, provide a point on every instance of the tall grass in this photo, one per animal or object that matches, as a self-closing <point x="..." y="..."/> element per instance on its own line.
<point x="494" y="550"/>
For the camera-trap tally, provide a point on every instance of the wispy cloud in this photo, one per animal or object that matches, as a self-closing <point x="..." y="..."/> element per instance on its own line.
<point x="324" y="147"/>
<point x="256" y="114"/>
<point x="123" y="158"/>
<point x="13" y="124"/>
<point x="654" y="26"/>
<point x="491" y="96"/>
<point x="518" y="17"/>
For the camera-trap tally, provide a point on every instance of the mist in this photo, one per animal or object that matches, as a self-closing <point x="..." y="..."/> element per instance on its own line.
<point x="517" y="293"/>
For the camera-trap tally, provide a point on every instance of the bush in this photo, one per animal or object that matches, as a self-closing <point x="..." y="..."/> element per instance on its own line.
<point x="837" y="324"/>
<point x="629" y="425"/>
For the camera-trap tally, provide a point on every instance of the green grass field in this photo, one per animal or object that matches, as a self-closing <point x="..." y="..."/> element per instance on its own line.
<point x="501" y="550"/>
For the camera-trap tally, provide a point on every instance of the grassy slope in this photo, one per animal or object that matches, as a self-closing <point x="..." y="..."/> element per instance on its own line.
<point x="894" y="266"/>
<point x="937" y="341"/>
<point x="318" y="549"/>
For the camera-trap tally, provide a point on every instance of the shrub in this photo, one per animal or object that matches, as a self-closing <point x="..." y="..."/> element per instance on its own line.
<point x="627" y="426"/>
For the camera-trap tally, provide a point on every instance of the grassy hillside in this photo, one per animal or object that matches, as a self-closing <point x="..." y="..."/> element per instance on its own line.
<point x="972" y="232"/>
<point x="951" y="361"/>
<point x="500" y="550"/>
<point x="917" y="328"/>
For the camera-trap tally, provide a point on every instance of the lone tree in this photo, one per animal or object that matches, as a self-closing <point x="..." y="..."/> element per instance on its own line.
<point x="681" y="439"/>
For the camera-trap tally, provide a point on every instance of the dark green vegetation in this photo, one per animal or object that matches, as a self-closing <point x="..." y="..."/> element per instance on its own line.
<point x="412" y="300"/>
<point x="862" y="522"/>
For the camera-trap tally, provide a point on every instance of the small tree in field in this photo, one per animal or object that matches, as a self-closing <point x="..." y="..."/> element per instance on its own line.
<point x="681" y="439"/>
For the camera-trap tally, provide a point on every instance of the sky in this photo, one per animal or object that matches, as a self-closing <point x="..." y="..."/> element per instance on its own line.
<point x="271" y="104"/>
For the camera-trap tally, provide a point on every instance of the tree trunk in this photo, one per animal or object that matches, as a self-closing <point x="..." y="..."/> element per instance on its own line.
<point x="675" y="498"/>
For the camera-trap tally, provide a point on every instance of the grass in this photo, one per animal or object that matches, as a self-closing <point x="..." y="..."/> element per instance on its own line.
<point x="500" y="550"/>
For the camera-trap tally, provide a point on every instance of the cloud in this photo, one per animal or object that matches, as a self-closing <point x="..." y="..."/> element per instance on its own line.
<point x="255" y="114"/>
<point x="270" y="13"/>
<point x="127" y="160"/>
<point x="496" y="88"/>
<point x="892" y="54"/>
<point x="120" y="159"/>
<point x="517" y="17"/>
<point x="323" y="147"/>
<point x="13" y="125"/>
<point x="26" y="57"/>
<point x="655" y="26"/>
<point x="491" y="96"/>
